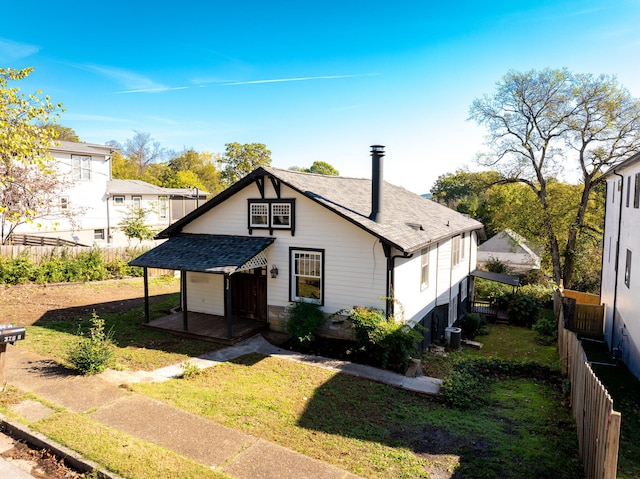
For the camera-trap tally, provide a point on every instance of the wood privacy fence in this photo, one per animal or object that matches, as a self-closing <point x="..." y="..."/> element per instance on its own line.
<point x="597" y="423"/>
<point x="38" y="254"/>
<point x="583" y="312"/>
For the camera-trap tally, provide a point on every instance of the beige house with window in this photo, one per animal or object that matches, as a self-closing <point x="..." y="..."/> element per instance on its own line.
<point x="280" y="236"/>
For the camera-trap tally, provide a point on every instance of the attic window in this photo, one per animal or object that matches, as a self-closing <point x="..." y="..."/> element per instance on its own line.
<point x="415" y="226"/>
<point x="271" y="214"/>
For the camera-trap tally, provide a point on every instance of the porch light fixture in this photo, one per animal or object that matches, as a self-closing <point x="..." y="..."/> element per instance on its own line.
<point x="274" y="271"/>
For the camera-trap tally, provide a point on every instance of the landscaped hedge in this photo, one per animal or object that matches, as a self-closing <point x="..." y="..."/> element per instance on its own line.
<point x="61" y="268"/>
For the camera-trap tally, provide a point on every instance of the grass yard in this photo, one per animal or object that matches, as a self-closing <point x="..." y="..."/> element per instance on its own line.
<point x="378" y="431"/>
<point x="138" y="348"/>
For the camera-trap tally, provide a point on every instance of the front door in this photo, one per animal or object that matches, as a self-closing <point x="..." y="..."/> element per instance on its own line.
<point x="249" y="294"/>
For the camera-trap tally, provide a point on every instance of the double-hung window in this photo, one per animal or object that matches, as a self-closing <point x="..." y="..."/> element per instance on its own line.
<point x="163" y="207"/>
<point x="636" y="192"/>
<point x="424" y="269"/>
<point x="136" y="202"/>
<point x="63" y="203"/>
<point x="455" y="250"/>
<point x="81" y="167"/>
<point x="272" y="214"/>
<point x="627" y="270"/>
<point x="307" y="275"/>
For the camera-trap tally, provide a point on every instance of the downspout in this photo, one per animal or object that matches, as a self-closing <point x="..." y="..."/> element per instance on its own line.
<point x="108" y="223"/>
<point x="617" y="263"/>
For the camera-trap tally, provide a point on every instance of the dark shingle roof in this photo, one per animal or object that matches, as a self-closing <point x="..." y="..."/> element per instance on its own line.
<point x="411" y="221"/>
<point x="203" y="253"/>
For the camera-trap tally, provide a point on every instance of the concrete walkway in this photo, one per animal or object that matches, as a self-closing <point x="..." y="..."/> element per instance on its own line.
<point x="235" y="453"/>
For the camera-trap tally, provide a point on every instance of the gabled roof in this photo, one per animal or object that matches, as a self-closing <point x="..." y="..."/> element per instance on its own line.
<point x="508" y="241"/>
<point x="206" y="253"/>
<point x="83" y="148"/>
<point x="411" y="221"/>
<point x="138" y="187"/>
<point x="631" y="161"/>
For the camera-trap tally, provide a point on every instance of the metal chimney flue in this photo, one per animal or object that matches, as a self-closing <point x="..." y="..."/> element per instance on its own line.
<point x="377" y="182"/>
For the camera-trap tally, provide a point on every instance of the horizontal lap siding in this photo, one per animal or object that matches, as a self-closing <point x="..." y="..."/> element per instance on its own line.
<point x="205" y="293"/>
<point x="355" y="265"/>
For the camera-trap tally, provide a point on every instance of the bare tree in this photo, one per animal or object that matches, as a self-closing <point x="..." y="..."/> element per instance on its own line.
<point x="541" y="122"/>
<point x="143" y="150"/>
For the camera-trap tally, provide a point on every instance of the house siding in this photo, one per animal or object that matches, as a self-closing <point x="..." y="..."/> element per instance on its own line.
<point x="355" y="264"/>
<point x="205" y="293"/>
<point x="624" y="335"/>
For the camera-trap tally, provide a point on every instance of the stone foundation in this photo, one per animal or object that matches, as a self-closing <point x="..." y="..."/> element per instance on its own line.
<point x="338" y="327"/>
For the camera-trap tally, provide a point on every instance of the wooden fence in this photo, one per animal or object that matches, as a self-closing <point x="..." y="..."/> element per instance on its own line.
<point x="38" y="254"/>
<point x="583" y="313"/>
<point x="592" y="407"/>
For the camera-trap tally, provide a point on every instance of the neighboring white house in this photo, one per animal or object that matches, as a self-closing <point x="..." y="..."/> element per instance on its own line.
<point x="511" y="249"/>
<point x="100" y="203"/>
<point x="620" y="284"/>
<point x="279" y="236"/>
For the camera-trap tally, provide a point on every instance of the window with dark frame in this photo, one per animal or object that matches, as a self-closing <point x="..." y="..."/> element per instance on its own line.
<point x="98" y="234"/>
<point x="636" y="192"/>
<point x="627" y="270"/>
<point x="307" y="275"/>
<point x="628" y="189"/>
<point x="271" y="214"/>
<point x="63" y="203"/>
<point x="118" y="200"/>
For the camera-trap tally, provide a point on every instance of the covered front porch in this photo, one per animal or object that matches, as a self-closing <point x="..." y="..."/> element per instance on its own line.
<point x="228" y="309"/>
<point x="208" y="327"/>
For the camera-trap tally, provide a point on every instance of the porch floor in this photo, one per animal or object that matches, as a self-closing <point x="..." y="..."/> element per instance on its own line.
<point x="208" y="327"/>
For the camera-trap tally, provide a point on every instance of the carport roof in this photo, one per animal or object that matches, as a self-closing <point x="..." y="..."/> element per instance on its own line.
<point x="207" y="253"/>
<point x="497" y="277"/>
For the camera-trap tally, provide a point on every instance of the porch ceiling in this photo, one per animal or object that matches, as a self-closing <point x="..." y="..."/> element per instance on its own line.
<point x="206" y="253"/>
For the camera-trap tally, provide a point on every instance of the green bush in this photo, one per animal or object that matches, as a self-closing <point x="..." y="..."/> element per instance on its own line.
<point x="486" y="290"/>
<point x="382" y="341"/>
<point x="473" y="324"/>
<point x="546" y="329"/>
<point x="494" y="265"/>
<point x="92" y="352"/>
<point x="523" y="310"/>
<point x="304" y="319"/>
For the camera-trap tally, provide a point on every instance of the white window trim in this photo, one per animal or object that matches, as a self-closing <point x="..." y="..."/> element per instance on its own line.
<point x="134" y="199"/>
<point x="456" y="258"/>
<point x="319" y="254"/>
<point x="254" y="214"/>
<point x="273" y="206"/>
<point x="163" y="207"/>
<point x="81" y="167"/>
<point x="424" y="269"/>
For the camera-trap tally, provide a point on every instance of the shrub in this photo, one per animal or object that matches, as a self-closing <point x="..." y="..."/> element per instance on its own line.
<point x="486" y="290"/>
<point x="523" y="310"/>
<point x="383" y="341"/>
<point x="473" y="324"/>
<point x="546" y="329"/>
<point x="304" y="319"/>
<point x="92" y="352"/>
<point x="494" y="265"/>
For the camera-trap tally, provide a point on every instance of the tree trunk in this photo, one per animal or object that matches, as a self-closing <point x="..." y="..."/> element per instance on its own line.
<point x="572" y="238"/>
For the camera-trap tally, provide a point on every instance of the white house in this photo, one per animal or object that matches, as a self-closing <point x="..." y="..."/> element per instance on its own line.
<point x="99" y="203"/>
<point x="279" y="236"/>
<point x="620" y="285"/>
<point x="510" y="248"/>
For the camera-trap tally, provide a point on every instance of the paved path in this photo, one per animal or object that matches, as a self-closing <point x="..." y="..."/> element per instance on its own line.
<point x="238" y="454"/>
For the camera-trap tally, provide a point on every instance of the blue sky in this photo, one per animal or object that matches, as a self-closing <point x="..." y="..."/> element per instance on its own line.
<point x="311" y="80"/>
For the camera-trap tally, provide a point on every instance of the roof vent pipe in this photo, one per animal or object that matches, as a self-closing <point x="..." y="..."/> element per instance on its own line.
<point x="377" y="181"/>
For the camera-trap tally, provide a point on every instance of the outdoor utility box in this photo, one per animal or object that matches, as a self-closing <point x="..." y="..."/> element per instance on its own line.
<point x="453" y="337"/>
<point x="11" y="334"/>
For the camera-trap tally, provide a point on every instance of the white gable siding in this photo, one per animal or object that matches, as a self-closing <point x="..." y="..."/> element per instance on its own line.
<point x="415" y="300"/>
<point x="625" y="333"/>
<point x="354" y="261"/>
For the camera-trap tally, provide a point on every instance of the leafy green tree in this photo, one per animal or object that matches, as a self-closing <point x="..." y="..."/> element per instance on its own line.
<point x="240" y="160"/>
<point x="464" y="191"/>
<point x="198" y="168"/>
<point x="323" y="168"/>
<point x="61" y="132"/>
<point x="122" y="168"/>
<point x="134" y="225"/>
<point x="542" y="121"/>
<point x="28" y="184"/>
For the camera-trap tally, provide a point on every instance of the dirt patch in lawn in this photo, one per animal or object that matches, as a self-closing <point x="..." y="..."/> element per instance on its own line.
<point x="23" y="305"/>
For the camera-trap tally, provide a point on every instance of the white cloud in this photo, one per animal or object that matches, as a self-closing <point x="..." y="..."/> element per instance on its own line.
<point x="132" y="82"/>
<point x="10" y="50"/>
<point x="281" y="80"/>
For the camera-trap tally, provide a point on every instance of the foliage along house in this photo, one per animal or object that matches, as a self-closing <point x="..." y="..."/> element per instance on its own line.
<point x="89" y="208"/>
<point x="620" y="282"/>
<point x="279" y="236"/>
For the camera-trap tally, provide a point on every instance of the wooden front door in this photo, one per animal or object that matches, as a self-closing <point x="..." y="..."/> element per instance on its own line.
<point x="249" y="294"/>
